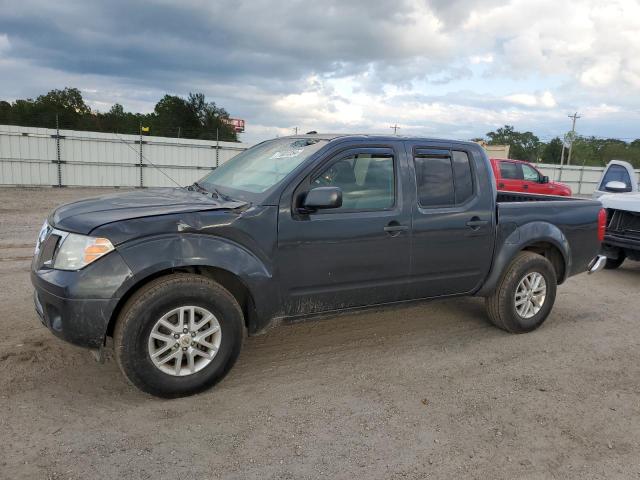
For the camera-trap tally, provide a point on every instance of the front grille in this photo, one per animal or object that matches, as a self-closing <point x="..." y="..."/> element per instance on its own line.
<point x="623" y="223"/>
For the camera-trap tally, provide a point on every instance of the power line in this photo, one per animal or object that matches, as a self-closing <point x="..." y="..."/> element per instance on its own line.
<point x="142" y="157"/>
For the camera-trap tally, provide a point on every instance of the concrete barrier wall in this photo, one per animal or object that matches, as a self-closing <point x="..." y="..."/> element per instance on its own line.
<point x="39" y="156"/>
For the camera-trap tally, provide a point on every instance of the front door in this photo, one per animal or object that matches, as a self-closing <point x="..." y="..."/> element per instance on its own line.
<point x="452" y="240"/>
<point x="532" y="181"/>
<point x="350" y="256"/>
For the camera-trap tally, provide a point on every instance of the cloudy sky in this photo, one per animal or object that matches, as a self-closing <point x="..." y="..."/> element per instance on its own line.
<point x="448" y="68"/>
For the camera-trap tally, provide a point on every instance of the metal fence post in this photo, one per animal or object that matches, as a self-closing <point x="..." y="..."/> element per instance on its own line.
<point x="217" y="149"/>
<point x="58" y="156"/>
<point x="141" y="181"/>
<point x="580" y="178"/>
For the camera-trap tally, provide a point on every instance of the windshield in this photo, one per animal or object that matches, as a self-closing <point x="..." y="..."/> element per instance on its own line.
<point x="259" y="168"/>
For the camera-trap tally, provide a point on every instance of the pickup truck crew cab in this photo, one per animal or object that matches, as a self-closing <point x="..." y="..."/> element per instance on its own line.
<point x="294" y="227"/>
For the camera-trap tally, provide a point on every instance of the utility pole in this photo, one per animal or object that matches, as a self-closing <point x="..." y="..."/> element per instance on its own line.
<point x="395" y="128"/>
<point x="575" y="116"/>
<point x="295" y="130"/>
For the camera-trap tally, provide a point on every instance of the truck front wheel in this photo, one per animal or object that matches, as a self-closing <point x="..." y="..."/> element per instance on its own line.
<point x="525" y="295"/>
<point x="178" y="335"/>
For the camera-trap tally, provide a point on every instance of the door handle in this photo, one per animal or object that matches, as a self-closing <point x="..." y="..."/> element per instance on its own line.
<point x="394" y="228"/>
<point x="501" y="185"/>
<point x="475" y="223"/>
<point x="526" y="186"/>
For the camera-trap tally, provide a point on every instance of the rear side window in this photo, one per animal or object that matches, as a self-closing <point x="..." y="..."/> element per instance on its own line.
<point x="510" y="171"/>
<point x="443" y="180"/>
<point x="463" y="176"/>
<point x="616" y="173"/>
<point x="434" y="177"/>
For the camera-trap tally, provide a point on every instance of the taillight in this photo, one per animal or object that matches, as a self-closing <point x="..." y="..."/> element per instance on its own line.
<point x="602" y="224"/>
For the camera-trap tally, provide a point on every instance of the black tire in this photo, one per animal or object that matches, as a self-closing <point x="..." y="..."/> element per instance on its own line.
<point x="501" y="306"/>
<point x="146" y="306"/>
<point x="613" y="263"/>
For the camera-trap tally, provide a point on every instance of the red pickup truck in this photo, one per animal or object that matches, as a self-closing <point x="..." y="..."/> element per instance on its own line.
<point x="519" y="176"/>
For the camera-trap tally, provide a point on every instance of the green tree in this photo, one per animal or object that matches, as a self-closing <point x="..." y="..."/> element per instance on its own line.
<point x="552" y="151"/>
<point x="522" y="145"/>
<point x="173" y="116"/>
<point x="66" y="100"/>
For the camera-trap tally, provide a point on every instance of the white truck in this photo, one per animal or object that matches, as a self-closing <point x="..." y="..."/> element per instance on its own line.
<point x="618" y="192"/>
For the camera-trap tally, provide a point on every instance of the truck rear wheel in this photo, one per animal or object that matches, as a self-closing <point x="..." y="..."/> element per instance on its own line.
<point x="178" y="335"/>
<point x="525" y="295"/>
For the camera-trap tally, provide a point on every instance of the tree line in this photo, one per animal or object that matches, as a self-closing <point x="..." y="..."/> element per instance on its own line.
<point x="173" y="116"/>
<point x="195" y="117"/>
<point x="590" y="151"/>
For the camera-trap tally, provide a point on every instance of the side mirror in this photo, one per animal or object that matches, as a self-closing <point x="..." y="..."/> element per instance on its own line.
<point x="616" y="187"/>
<point x="322" y="198"/>
<point x="544" y="179"/>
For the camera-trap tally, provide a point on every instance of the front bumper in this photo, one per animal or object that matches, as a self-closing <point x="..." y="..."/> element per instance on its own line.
<point x="81" y="322"/>
<point x="78" y="306"/>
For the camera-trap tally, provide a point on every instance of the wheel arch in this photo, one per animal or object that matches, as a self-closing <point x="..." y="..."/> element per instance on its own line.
<point x="244" y="274"/>
<point x="542" y="238"/>
<point x="230" y="281"/>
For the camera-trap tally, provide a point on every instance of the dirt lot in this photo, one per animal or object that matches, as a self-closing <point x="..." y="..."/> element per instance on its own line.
<point x="427" y="391"/>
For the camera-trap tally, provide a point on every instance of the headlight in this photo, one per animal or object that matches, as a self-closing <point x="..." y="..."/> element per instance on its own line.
<point x="78" y="251"/>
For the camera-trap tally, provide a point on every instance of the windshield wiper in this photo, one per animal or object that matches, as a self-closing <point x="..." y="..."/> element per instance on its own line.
<point x="197" y="187"/>
<point x="213" y="192"/>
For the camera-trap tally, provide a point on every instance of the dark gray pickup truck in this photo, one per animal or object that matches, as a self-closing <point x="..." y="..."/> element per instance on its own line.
<point x="295" y="227"/>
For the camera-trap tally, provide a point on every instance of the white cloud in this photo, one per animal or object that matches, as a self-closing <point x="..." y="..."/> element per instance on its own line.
<point x="446" y="67"/>
<point x="4" y="43"/>
<point x="532" y="100"/>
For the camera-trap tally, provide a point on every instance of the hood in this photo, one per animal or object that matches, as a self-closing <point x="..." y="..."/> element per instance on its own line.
<point x="560" y="185"/>
<point x="85" y="215"/>
<point x="622" y="201"/>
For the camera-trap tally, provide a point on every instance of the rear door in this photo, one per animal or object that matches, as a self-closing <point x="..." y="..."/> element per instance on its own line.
<point x="511" y="177"/>
<point x="350" y="256"/>
<point x="453" y="215"/>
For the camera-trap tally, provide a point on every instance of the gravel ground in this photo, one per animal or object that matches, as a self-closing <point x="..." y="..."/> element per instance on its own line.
<point x="430" y="390"/>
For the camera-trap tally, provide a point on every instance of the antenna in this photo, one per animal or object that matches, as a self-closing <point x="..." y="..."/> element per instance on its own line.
<point x="142" y="157"/>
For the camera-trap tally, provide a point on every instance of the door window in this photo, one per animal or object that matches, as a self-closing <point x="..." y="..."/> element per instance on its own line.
<point x="510" y="171"/>
<point x="616" y="173"/>
<point x="463" y="176"/>
<point x="367" y="181"/>
<point x="530" y="174"/>
<point x="443" y="180"/>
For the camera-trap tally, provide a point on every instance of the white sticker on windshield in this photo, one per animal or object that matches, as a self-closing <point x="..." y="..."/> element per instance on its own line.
<point x="288" y="153"/>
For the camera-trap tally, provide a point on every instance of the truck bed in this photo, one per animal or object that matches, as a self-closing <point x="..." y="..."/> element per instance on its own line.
<point x="507" y="197"/>
<point x="574" y="217"/>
